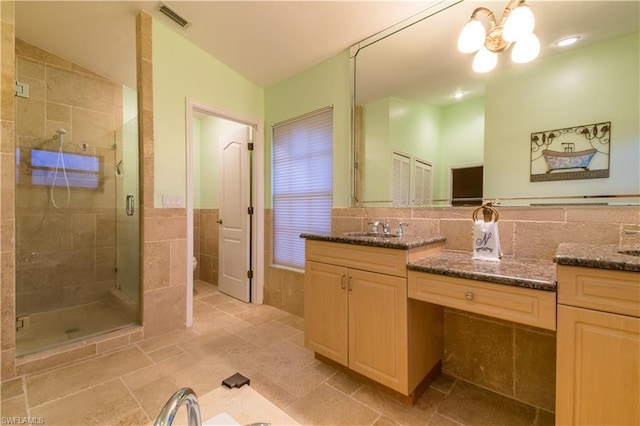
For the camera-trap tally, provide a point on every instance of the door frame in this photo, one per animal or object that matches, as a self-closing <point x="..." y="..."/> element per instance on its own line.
<point x="257" y="220"/>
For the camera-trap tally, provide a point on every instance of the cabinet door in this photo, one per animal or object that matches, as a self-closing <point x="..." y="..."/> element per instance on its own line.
<point x="325" y="310"/>
<point x="598" y="368"/>
<point x="378" y="328"/>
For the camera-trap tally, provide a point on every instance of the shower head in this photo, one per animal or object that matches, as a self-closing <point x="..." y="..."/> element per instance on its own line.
<point x="59" y="133"/>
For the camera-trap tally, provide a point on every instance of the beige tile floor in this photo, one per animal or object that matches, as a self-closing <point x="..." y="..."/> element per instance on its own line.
<point x="129" y="386"/>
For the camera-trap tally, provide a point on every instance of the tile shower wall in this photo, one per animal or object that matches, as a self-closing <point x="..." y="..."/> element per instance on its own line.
<point x="163" y="304"/>
<point x="515" y="360"/>
<point x="7" y="190"/>
<point x="65" y="256"/>
<point x="205" y="244"/>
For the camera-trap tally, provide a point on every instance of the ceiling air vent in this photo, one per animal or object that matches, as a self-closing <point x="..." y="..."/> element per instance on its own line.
<point x="173" y="15"/>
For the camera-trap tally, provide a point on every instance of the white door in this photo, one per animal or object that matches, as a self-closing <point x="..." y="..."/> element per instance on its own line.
<point x="234" y="236"/>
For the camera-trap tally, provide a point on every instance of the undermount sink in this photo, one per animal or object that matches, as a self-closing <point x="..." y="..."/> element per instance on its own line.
<point x="370" y="234"/>
<point x="630" y="252"/>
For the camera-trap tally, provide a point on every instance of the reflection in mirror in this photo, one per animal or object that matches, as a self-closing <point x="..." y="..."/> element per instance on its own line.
<point x="411" y="133"/>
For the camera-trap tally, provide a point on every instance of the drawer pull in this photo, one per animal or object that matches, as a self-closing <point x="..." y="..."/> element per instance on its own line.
<point x="468" y="295"/>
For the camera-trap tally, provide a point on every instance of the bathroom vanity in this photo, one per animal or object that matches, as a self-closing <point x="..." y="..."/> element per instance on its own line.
<point x="365" y="309"/>
<point x="357" y="313"/>
<point x="512" y="290"/>
<point x="598" y="351"/>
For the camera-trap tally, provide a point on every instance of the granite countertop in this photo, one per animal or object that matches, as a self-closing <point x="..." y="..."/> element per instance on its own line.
<point x="405" y="242"/>
<point x="603" y="256"/>
<point x="535" y="274"/>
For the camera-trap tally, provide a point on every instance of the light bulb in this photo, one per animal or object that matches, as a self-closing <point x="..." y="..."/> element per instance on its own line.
<point x="472" y="36"/>
<point x="519" y="24"/>
<point x="484" y="61"/>
<point x="526" y="50"/>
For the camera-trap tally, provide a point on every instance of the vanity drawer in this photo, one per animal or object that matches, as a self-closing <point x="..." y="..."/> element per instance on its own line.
<point x="374" y="259"/>
<point x="605" y="290"/>
<point x="522" y="305"/>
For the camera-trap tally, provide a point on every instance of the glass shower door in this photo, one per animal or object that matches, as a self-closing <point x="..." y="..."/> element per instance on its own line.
<point x="76" y="158"/>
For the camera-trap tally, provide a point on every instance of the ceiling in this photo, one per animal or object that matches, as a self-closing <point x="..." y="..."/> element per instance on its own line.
<point x="269" y="41"/>
<point x="265" y="41"/>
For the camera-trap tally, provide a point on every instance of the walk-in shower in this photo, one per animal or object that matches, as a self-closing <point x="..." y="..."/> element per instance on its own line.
<point x="77" y="248"/>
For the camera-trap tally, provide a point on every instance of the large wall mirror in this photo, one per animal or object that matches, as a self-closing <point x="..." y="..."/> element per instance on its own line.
<point x="412" y="136"/>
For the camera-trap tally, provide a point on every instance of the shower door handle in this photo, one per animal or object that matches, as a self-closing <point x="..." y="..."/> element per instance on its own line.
<point x="131" y="205"/>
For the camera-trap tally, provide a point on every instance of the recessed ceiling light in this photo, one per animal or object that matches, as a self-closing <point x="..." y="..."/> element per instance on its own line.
<point x="459" y="95"/>
<point x="567" y="41"/>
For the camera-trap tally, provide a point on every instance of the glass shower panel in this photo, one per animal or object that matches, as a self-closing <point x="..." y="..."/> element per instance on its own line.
<point x="127" y="241"/>
<point x="76" y="160"/>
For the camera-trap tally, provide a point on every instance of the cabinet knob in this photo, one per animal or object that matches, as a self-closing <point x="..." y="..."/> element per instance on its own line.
<point x="468" y="295"/>
<point x="342" y="286"/>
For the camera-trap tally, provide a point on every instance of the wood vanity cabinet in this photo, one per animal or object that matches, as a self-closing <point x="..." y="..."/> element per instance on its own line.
<point x="598" y="350"/>
<point x="357" y="314"/>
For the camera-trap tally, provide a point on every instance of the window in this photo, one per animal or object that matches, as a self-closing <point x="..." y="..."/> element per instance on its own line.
<point x="302" y="167"/>
<point x="49" y="168"/>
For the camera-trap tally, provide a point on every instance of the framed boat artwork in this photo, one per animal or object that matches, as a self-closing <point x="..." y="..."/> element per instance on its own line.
<point x="580" y="152"/>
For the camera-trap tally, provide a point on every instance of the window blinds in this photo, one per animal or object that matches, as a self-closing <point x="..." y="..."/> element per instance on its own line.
<point x="302" y="169"/>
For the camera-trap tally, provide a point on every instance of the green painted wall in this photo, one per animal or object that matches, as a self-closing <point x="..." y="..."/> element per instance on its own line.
<point x="461" y="143"/>
<point x="197" y="147"/>
<point x="589" y="85"/>
<point x="322" y="85"/>
<point x="180" y="71"/>
<point x="377" y="151"/>
<point x="396" y="125"/>
<point x="443" y="136"/>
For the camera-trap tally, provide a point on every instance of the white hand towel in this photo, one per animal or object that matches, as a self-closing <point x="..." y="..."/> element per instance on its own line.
<point x="486" y="241"/>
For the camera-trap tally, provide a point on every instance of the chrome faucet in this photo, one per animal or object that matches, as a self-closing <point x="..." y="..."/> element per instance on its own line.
<point x="168" y="413"/>
<point x="400" y="231"/>
<point x="386" y="229"/>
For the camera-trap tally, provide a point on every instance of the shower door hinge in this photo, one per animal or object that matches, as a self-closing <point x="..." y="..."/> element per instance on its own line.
<point x="249" y="274"/>
<point x="249" y="210"/>
<point x="22" y="322"/>
<point x="21" y="90"/>
<point x="250" y="146"/>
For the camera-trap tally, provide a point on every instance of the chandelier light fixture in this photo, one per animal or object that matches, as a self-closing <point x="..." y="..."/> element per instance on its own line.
<point x="515" y="28"/>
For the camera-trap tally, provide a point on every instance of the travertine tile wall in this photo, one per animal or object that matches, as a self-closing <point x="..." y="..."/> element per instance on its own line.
<point x="205" y="244"/>
<point x="7" y="190"/>
<point x="163" y="231"/>
<point x="283" y="288"/>
<point x="65" y="255"/>
<point x="509" y="358"/>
